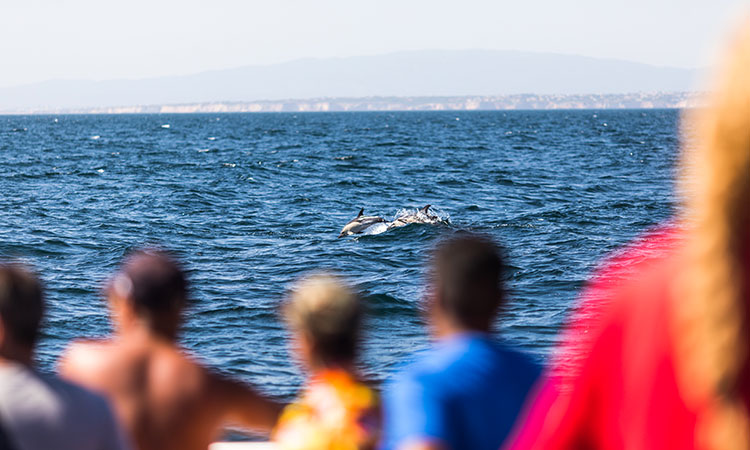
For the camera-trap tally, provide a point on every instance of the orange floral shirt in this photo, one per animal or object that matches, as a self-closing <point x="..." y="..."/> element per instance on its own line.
<point x="336" y="412"/>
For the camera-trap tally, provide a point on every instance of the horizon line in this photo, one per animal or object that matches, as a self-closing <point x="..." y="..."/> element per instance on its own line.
<point x="424" y="103"/>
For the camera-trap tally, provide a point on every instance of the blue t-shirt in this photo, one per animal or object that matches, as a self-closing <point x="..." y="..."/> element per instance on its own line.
<point x="464" y="392"/>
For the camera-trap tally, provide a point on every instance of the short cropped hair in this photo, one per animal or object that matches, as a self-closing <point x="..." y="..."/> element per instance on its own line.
<point x="466" y="272"/>
<point x="21" y="303"/>
<point x="328" y="312"/>
<point x="153" y="281"/>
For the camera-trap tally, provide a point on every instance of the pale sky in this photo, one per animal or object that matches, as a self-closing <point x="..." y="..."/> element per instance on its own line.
<point x="99" y="39"/>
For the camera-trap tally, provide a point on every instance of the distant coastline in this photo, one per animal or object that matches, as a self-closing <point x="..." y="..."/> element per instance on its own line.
<point x="420" y="80"/>
<point x="655" y="100"/>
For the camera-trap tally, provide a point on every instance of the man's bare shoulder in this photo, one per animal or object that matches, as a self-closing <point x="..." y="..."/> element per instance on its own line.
<point x="173" y="365"/>
<point x="86" y="356"/>
<point x="176" y="360"/>
<point x="197" y="376"/>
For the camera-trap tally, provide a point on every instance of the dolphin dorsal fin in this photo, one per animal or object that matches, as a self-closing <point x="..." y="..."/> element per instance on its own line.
<point x="424" y="210"/>
<point x="361" y="211"/>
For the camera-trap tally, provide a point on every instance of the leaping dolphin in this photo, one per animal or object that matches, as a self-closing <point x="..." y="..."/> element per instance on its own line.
<point x="360" y="223"/>
<point x="421" y="216"/>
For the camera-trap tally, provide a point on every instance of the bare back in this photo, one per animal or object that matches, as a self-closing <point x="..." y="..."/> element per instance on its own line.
<point x="164" y="399"/>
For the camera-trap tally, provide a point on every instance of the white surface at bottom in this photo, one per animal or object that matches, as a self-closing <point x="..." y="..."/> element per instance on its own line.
<point x="242" y="446"/>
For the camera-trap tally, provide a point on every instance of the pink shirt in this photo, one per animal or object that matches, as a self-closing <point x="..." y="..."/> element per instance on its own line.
<point x="617" y="388"/>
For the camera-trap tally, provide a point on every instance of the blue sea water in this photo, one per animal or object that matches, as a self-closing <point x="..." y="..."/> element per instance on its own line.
<point x="252" y="201"/>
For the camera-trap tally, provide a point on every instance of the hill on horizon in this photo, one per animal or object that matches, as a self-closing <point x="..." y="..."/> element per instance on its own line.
<point x="402" y="74"/>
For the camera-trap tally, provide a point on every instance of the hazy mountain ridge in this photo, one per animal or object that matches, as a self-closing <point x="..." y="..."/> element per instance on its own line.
<point x="439" y="73"/>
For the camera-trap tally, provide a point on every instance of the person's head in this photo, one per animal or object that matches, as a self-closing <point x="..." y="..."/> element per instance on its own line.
<point x="21" y="311"/>
<point x="712" y="315"/>
<point x="465" y="284"/>
<point x="324" y="314"/>
<point x="149" y="290"/>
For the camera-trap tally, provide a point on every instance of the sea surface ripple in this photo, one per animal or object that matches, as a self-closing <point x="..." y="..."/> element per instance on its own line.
<point x="252" y="201"/>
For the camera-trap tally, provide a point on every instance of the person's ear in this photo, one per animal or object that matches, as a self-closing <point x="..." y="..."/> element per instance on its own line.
<point x="114" y="303"/>
<point x="434" y="313"/>
<point x="304" y="349"/>
<point x="432" y="300"/>
<point x="120" y="309"/>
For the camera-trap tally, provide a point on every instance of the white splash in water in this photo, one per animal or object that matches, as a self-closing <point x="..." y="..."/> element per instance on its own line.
<point x="166" y="125"/>
<point x="433" y="215"/>
<point x="95" y="137"/>
<point x="376" y="229"/>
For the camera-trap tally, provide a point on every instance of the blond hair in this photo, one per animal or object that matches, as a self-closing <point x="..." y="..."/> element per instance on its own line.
<point x="711" y="312"/>
<point x="328" y="312"/>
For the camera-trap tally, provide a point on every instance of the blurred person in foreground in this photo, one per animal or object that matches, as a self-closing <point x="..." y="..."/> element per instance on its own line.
<point x="466" y="391"/>
<point x="164" y="398"/>
<point x="337" y="410"/>
<point x="668" y="364"/>
<point x="39" y="411"/>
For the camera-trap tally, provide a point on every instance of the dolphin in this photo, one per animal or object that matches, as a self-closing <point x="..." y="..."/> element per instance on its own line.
<point x="360" y="223"/>
<point x="421" y="216"/>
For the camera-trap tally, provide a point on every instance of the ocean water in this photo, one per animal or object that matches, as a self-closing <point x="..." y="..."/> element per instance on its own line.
<point x="249" y="202"/>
